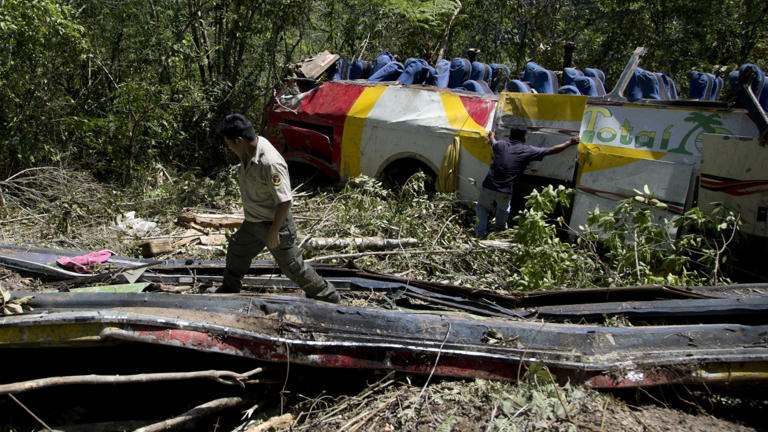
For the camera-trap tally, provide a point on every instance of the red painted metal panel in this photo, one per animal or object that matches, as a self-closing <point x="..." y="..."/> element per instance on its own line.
<point x="326" y="106"/>
<point x="305" y="140"/>
<point x="479" y="109"/>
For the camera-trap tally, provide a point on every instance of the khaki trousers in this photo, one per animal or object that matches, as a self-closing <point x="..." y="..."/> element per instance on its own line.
<point x="250" y="240"/>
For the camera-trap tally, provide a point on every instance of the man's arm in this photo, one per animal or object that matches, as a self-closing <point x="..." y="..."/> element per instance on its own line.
<point x="281" y="213"/>
<point x="563" y="145"/>
<point x="492" y="137"/>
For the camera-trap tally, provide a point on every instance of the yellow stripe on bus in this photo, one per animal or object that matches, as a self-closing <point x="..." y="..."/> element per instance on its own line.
<point x="353" y="130"/>
<point x="473" y="136"/>
<point x="593" y="157"/>
<point x="550" y="107"/>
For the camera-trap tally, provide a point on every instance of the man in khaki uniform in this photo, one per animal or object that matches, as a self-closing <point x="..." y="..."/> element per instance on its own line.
<point x="266" y="192"/>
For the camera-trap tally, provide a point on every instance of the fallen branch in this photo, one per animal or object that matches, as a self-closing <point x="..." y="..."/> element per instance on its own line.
<point x="223" y="377"/>
<point x="360" y="243"/>
<point x="437" y="359"/>
<point x="278" y="422"/>
<point x="195" y="413"/>
<point x="367" y="416"/>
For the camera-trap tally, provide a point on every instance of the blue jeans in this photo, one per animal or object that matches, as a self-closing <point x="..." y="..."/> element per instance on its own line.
<point x="484" y="204"/>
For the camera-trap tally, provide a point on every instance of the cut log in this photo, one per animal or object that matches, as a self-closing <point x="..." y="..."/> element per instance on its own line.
<point x="194" y="414"/>
<point x="213" y="240"/>
<point x="154" y="248"/>
<point x="191" y="235"/>
<point x="359" y="243"/>
<point x="210" y="220"/>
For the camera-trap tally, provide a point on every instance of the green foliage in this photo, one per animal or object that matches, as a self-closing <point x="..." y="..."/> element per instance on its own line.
<point x="42" y="52"/>
<point x="115" y="88"/>
<point x="639" y="247"/>
<point x="631" y="245"/>
<point x="545" y="261"/>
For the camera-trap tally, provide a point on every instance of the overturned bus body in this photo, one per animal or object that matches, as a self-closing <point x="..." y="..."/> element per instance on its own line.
<point x="688" y="152"/>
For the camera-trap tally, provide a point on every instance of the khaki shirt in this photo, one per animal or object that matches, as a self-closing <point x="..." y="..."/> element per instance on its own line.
<point x="264" y="183"/>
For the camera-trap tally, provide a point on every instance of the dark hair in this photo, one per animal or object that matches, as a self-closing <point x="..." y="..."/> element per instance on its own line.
<point x="517" y="134"/>
<point x="236" y="125"/>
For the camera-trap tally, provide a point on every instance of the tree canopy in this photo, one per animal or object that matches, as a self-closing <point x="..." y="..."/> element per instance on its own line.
<point x="118" y="86"/>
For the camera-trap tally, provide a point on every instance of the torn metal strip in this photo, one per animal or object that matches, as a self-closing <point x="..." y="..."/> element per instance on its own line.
<point x="725" y="309"/>
<point x="341" y="336"/>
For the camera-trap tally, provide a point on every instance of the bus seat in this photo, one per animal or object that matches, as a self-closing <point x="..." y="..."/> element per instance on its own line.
<point x="384" y="58"/>
<point x="541" y="79"/>
<point x="442" y="73"/>
<point x="570" y="75"/>
<point x="700" y="85"/>
<point x="595" y="73"/>
<point x="359" y="69"/>
<point x="759" y="82"/>
<point x="480" y="71"/>
<point x="414" y="72"/>
<point x="477" y="86"/>
<point x="342" y="70"/>
<point x="461" y="69"/>
<point x="390" y="72"/>
<point x="519" y="86"/>
<point x="649" y="85"/>
<point x="589" y="86"/>
<point x="568" y="89"/>
<point x="670" y="86"/>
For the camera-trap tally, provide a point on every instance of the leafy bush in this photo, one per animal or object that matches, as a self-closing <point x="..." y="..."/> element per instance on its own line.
<point x="639" y="247"/>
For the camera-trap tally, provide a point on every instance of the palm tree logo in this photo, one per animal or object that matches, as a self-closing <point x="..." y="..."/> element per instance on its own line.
<point x="702" y="124"/>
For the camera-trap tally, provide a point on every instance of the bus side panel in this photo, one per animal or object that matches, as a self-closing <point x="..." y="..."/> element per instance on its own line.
<point x="628" y="146"/>
<point x="739" y="181"/>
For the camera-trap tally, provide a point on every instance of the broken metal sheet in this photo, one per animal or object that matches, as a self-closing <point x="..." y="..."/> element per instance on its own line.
<point x="265" y="274"/>
<point x="314" y="66"/>
<point x="313" y="333"/>
<point x="132" y="287"/>
<point x="740" y="309"/>
<point x="262" y="274"/>
<point x="42" y="261"/>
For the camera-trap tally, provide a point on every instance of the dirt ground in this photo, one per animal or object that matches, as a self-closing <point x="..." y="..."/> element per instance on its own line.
<point x="482" y="405"/>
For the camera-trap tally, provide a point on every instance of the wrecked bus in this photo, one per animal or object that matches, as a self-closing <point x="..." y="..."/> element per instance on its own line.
<point x="687" y="152"/>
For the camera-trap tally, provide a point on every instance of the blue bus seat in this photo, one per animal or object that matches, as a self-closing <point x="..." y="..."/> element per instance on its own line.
<point x="342" y="70"/>
<point x="595" y="73"/>
<point x="442" y="73"/>
<point x="461" y="69"/>
<point x="570" y="75"/>
<point x="589" y="86"/>
<point x="359" y="69"/>
<point x="384" y="58"/>
<point x="541" y="79"/>
<point x="415" y="71"/>
<point x="669" y="85"/>
<point x="477" y="86"/>
<point x="519" y="86"/>
<point x="480" y="71"/>
<point x="700" y="85"/>
<point x="390" y="72"/>
<point x="568" y="89"/>
<point x="633" y="90"/>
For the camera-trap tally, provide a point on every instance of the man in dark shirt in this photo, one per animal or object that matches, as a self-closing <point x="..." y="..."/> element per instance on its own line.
<point x="509" y="161"/>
